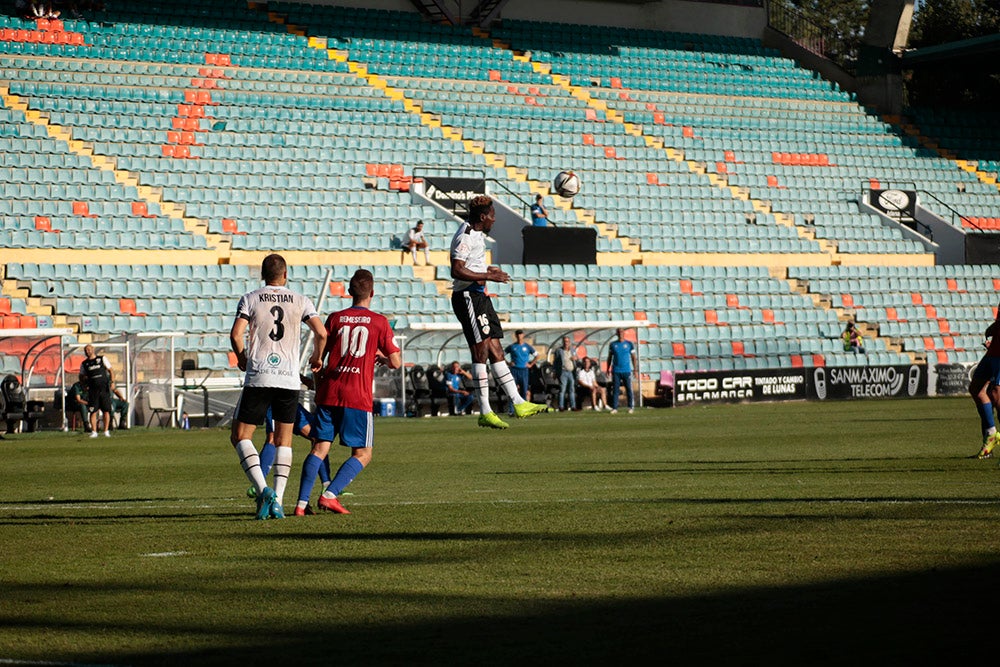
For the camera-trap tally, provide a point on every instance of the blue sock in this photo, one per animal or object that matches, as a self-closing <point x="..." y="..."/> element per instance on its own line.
<point x="324" y="470"/>
<point x="310" y="467"/>
<point x="267" y="453"/>
<point x="350" y="469"/>
<point x="986" y="416"/>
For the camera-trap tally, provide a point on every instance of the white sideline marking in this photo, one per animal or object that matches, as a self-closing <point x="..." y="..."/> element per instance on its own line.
<point x="164" y="554"/>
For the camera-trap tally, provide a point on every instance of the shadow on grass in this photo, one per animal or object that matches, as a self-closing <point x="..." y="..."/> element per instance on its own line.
<point x="920" y="618"/>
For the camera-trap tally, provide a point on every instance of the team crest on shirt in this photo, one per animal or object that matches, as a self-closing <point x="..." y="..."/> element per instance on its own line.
<point x="274" y="359"/>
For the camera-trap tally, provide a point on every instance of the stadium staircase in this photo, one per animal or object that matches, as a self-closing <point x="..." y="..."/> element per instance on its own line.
<point x="152" y="155"/>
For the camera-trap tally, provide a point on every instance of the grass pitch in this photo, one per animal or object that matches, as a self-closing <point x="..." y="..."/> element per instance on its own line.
<point x="815" y="533"/>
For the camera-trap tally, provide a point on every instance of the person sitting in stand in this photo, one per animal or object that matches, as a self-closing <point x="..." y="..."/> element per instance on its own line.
<point x="414" y="240"/>
<point x="119" y="408"/>
<point x="77" y="403"/>
<point x="454" y="379"/>
<point x="587" y="379"/>
<point x="853" y="340"/>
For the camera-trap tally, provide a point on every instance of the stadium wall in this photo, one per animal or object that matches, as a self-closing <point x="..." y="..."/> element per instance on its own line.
<point x="668" y="15"/>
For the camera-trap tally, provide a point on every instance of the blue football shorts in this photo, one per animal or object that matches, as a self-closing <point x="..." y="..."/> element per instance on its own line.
<point x="353" y="426"/>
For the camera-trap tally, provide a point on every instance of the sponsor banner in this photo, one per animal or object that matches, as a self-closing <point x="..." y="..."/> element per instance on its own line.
<point x="897" y="204"/>
<point x="739" y="386"/>
<point x="952" y="379"/>
<point x="867" y="382"/>
<point x="801" y="383"/>
<point x="453" y="193"/>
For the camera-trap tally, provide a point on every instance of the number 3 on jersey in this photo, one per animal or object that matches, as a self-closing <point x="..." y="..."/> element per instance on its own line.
<point x="278" y="332"/>
<point x="353" y="341"/>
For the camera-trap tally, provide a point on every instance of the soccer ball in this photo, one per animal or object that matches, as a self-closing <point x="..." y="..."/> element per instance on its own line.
<point x="566" y="184"/>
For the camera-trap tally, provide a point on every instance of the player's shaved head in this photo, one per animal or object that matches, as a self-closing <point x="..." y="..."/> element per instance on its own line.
<point x="362" y="283"/>
<point x="273" y="268"/>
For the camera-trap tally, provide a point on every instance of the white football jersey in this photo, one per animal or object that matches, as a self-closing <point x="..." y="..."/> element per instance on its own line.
<point x="470" y="248"/>
<point x="275" y="315"/>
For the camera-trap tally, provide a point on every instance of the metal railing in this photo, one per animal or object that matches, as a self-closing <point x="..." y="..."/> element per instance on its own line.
<point x="792" y="23"/>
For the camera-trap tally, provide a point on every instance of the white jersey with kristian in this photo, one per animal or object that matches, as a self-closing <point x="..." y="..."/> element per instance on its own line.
<point x="470" y="248"/>
<point x="275" y="315"/>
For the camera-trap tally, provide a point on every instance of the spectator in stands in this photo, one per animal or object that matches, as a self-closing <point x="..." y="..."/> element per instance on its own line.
<point x="96" y="370"/>
<point x="853" y="340"/>
<point x="414" y="240"/>
<point x="587" y="378"/>
<point x="985" y="389"/>
<point x="454" y="379"/>
<point x="539" y="216"/>
<point x="565" y="360"/>
<point x="522" y="358"/>
<point x="119" y="407"/>
<point x="621" y="361"/>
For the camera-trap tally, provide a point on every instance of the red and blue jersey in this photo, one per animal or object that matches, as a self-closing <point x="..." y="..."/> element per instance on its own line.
<point x="354" y="338"/>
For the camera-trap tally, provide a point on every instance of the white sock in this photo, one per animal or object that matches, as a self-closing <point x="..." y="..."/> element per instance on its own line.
<point x="506" y="381"/>
<point x="301" y="504"/>
<point x="282" y="466"/>
<point x="427" y="256"/>
<point x="482" y="381"/>
<point x="250" y="461"/>
<point x="414" y="253"/>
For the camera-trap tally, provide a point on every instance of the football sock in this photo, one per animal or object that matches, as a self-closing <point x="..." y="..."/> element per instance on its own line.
<point x="309" y="468"/>
<point x="267" y="458"/>
<point x="324" y="472"/>
<point x="482" y="381"/>
<point x="986" y="417"/>
<point x="427" y="255"/>
<point x="350" y="469"/>
<point x="282" y="467"/>
<point x="506" y="381"/>
<point x="250" y="462"/>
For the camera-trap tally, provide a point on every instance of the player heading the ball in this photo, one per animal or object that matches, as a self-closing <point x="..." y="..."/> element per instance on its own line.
<point x="475" y="313"/>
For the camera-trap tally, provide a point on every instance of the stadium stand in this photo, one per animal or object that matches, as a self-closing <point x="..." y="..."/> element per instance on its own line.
<point x="149" y="156"/>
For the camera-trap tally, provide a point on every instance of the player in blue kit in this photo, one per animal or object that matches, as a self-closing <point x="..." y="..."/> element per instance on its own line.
<point x="522" y="358"/>
<point x="621" y="361"/>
